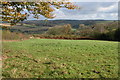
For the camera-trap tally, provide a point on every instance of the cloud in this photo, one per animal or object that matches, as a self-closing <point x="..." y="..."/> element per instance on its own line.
<point x="94" y="0"/>
<point x="106" y="8"/>
<point x="111" y="8"/>
<point x="59" y="13"/>
<point x="89" y="10"/>
<point x="105" y="16"/>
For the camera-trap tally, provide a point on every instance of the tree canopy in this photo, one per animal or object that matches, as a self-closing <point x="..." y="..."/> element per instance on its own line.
<point x="14" y="12"/>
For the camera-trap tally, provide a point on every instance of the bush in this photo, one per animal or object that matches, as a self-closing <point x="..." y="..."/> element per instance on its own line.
<point x="112" y="35"/>
<point x="7" y="35"/>
<point x="117" y="34"/>
<point x="60" y="30"/>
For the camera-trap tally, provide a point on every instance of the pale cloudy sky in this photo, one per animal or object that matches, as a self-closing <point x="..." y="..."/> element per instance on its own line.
<point x="89" y="10"/>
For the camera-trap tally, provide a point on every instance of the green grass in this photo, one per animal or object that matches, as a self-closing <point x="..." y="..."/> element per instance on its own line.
<point x="49" y="58"/>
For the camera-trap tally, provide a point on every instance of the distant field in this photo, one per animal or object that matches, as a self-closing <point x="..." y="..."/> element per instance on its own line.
<point x="49" y="58"/>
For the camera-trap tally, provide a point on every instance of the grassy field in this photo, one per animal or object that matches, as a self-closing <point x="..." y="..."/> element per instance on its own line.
<point x="49" y="58"/>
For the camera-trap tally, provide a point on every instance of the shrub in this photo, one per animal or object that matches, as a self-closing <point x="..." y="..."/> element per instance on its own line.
<point x="117" y="34"/>
<point x="7" y="35"/>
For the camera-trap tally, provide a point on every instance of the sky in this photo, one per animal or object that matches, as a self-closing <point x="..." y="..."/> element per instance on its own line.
<point x="88" y="11"/>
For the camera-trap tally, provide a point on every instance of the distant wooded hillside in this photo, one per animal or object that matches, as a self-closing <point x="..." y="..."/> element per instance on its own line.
<point x="74" y="23"/>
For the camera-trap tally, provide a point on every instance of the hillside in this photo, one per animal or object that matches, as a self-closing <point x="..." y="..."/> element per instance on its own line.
<point x="40" y="26"/>
<point x="74" y="23"/>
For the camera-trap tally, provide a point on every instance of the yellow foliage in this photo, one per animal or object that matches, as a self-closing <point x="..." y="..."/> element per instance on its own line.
<point x="12" y="11"/>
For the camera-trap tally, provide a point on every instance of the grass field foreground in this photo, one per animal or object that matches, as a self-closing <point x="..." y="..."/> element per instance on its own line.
<point x="49" y="58"/>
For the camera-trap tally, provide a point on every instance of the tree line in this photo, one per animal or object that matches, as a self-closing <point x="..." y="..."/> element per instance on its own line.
<point x="100" y="31"/>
